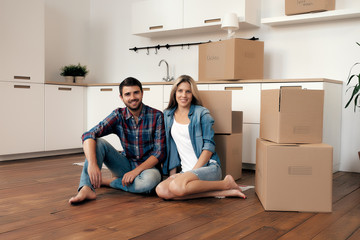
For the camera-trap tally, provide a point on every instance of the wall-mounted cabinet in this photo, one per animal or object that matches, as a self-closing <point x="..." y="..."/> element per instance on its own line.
<point x="157" y="18"/>
<point x="22" y="118"/>
<point x="64" y="117"/>
<point x="22" y="41"/>
<point x="212" y="11"/>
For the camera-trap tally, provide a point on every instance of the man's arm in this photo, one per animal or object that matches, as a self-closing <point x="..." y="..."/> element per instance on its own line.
<point x="89" y="146"/>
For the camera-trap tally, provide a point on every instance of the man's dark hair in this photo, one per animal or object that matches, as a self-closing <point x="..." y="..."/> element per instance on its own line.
<point x="130" y="81"/>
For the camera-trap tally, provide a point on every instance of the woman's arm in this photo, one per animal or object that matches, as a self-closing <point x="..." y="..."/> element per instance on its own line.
<point x="203" y="159"/>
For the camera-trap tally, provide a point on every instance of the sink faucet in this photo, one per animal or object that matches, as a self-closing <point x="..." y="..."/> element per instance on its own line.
<point x="167" y="78"/>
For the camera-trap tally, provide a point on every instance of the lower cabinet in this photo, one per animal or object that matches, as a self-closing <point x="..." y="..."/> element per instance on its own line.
<point x="101" y="101"/>
<point x="64" y="117"/>
<point x="22" y="118"/>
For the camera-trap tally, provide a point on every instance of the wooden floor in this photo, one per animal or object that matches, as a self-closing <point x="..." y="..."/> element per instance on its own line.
<point x="34" y="195"/>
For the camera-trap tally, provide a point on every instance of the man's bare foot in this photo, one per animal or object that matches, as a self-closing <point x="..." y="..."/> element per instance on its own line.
<point x="84" y="194"/>
<point x="235" y="189"/>
<point x="106" y="182"/>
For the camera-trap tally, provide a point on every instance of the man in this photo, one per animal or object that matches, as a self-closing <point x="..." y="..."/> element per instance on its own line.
<point x="142" y="135"/>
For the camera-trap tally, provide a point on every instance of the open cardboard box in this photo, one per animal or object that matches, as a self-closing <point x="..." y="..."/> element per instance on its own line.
<point x="292" y="115"/>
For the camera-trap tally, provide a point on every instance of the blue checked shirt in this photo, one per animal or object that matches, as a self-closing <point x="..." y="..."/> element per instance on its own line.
<point x="139" y="141"/>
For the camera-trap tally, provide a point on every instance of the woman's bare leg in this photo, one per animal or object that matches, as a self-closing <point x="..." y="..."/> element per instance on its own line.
<point x="187" y="186"/>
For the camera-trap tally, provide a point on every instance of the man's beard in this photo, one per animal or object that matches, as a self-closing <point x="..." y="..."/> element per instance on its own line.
<point x="136" y="108"/>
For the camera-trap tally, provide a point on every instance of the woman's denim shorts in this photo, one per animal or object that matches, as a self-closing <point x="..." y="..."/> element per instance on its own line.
<point x="211" y="172"/>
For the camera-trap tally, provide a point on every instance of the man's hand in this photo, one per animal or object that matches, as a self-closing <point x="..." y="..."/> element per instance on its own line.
<point x="95" y="175"/>
<point x="129" y="177"/>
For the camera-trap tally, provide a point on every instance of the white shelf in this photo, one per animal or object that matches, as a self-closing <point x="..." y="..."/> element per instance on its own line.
<point x="312" y="17"/>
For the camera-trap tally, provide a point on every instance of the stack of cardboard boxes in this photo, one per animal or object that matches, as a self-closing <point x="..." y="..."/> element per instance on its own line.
<point x="293" y="166"/>
<point x="228" y="130"/>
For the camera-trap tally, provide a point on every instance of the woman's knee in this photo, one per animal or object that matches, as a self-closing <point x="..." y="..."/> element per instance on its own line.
<point x="177" y="188"/>
<point x="162" y="190"/>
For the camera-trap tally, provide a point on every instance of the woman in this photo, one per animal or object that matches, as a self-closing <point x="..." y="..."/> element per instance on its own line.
<point x="191" y="147"/>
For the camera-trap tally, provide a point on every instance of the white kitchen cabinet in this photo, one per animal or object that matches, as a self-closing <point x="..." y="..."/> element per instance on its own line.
<point x="212" y="11"/>
<point x="22" y="118"/>
<point x="101" y="101"/>
<point x="64" y="117"/>
<point x="156" y="16"/>
<point x="332" y="112"/>
<point x="22" y="41"/>
<point x="167" y="91"/>
<point x="246" y="98"/>
<point x="153" y="96"/>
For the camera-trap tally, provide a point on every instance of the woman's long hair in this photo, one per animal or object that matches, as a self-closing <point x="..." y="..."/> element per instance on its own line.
<point x="194" y="90"/>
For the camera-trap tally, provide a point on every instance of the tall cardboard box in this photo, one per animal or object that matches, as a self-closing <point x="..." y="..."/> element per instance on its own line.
<point x="229" y="149"/>
<point x="231" y="60"/>
<point x="306" y="6"/>
<point x="294" y="177"/>
<point x="292" y="115"/>
<point x="219" y="104"/>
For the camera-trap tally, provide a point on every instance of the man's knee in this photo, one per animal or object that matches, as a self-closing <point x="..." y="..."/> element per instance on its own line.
<point x="147" y="181"/>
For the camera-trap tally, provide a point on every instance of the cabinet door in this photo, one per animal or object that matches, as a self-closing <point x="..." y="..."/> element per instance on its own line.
<point x="153" y="96"/>
<point x="22" y="118"/>
<point x="64" y="117"/>
<point x="157" y="15"/>
<point x="250" y="134"/>
<point x="245" y="98"/>
<point x="101" y="101"/>
<point x="212" y="11"/>
<point x="22" y="42"/>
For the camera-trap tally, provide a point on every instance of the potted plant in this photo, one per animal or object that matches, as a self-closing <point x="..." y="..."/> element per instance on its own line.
<point x="74" y="73"/>
<point x="355" y="89"/>
<point x="69" y="72"/>
<point x="81" y="72"/>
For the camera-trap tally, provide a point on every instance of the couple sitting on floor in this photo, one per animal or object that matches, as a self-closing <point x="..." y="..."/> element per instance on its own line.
<point x="180" y="139"/>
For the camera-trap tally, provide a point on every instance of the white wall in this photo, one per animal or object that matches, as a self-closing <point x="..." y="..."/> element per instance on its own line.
<point x="66" y="35"/>
<point x="314" y="50"/>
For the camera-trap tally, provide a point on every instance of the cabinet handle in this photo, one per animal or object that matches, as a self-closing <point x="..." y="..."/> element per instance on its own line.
<point x="212" y="20"/>
<point x="105" y="89"/>
<point x="233" y="88"/>
<point x="22" y="77"/>
<point x="64" y="89"/>
<point x="22" y="86"/>
<point x="146" y="89"/>
<point x="156" y="27"/>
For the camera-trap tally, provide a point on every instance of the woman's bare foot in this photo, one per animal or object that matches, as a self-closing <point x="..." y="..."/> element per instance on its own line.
<point x="106" y="181"/>
<point x="85" y="193"/>
<point x="234" y="189"/>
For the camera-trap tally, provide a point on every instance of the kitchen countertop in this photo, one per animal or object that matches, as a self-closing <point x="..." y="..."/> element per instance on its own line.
<point x="208" y="82"/>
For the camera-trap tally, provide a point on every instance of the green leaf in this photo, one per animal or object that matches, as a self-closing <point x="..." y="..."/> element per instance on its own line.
<point x="355" y="101"/>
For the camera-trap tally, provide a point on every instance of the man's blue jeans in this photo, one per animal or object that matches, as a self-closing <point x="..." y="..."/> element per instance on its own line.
<point x="118" y="164"/>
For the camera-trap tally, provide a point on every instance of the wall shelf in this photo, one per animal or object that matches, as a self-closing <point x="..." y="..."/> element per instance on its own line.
<point x="312" y="17"/>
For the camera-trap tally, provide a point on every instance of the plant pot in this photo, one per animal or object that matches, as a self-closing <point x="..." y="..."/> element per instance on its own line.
<point x="79" y="79"/>
<point x="69" y="79"/>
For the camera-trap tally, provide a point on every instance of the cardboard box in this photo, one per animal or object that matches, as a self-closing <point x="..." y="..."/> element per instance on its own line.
<point x="231" y="59"/>
<point x="292" y="115"/>
<point x="294" y="177"/>
<point x="306" y="6"/>
<point x="229" y="149"/>
<point x="219" y="104"/>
